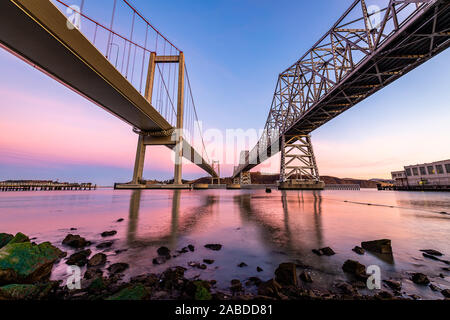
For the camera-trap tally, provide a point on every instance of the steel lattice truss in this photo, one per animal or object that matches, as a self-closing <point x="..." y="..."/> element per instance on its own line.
<point x="369" y="47"/>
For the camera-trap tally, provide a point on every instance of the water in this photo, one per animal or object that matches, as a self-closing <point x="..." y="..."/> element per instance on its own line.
<point x="254" y="227"/>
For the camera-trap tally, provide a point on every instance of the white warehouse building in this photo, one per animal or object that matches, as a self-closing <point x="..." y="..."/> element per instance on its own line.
<point x="435" y="175"/>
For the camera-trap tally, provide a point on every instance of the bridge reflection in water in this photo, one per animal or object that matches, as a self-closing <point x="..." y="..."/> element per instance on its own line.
<point x="292" y="223"/>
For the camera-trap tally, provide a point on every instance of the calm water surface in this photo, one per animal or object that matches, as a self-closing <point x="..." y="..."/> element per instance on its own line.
<point x="254" y="227"/>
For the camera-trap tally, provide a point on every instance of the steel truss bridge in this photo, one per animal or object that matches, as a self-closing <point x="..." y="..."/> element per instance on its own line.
<point x="364" y="51"/>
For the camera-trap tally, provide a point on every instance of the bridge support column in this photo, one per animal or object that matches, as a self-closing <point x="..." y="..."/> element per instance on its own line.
<point x="245" y="178"/>
<point x="298" y="167"/>
<point x="180" y="116"/>
<point x="139" y="162"/>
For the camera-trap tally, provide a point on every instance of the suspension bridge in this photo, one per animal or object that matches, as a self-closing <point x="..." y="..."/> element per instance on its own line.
<point x="116" y="59"/>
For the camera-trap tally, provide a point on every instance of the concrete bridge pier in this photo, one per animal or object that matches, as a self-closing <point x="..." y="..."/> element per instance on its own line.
<point x="171" y="138"/>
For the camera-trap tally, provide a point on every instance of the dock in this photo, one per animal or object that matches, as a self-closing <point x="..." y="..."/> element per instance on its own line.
<point x="44" y="186"/>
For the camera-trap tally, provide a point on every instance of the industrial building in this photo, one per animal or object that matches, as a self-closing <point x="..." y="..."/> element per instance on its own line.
<point x="426" y="176"/>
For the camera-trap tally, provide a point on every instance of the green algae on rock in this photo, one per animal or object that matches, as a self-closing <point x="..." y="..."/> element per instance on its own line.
<point x="5" y="238"/>
<point x="26" y="291"/>
<point x="25" y="262"/>
<point x="132" y="293"/>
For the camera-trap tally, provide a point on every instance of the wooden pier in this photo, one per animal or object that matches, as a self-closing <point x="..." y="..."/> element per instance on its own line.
<point x="342" y="187"/>
<point x="44" y="186"/>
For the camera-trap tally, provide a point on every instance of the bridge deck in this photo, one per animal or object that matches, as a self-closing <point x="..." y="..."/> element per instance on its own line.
<point x="36" y="31"/>
<point x="421" y="38"/>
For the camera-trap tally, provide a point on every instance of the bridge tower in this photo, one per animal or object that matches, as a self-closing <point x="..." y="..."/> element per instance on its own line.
<point x="298" y="167"/>
<point x="171" y="138"/>
<point x="216" y="168"/>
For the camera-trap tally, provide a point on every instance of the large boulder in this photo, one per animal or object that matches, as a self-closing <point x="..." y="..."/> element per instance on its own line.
<point x="378" y="246"/>
<point x="27" y="263"/>
<point x="5" y="238"/>
<point x="286" y="274"/>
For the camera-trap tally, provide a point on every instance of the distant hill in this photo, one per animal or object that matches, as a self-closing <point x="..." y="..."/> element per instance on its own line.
<point x="258" y="178"/>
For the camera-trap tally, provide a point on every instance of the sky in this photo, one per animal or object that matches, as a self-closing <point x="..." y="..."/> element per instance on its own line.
<point x="234" y="50"/>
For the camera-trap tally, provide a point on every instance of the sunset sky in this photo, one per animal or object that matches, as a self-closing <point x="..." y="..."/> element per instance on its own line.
<point x="234" y="50"/>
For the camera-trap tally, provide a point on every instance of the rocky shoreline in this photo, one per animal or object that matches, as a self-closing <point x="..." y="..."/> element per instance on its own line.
<point x="26" y="267"/>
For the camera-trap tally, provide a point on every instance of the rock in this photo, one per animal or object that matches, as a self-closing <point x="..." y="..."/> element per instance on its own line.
<point x="159" y="260"/>
<point x="119" y="251"/>
<point x="164" y="252"/>
<point x="236" y="286"/>
<point x="172" y="278"/>
<point x="118" y="268"/>
<point x="254" y="281"/>
<point x="270" y="288"/>
<point x="383" y="295"/>
<point x="208" y="261"/>
<point x="73" y="229"/>
<point x="306" y="277"/>
<point x="286" y="274"/>
<point x="429" y="256"/>
<point x="199" y="290"/>
<point x="202" y="266"/>
<point x="445" y="269"/>
<point x="149" y="280"/>
<point x="108" y="233"/>
<point x="394" y="285"/>
<point x="242" y="265"/>
<point x="19" y="238"/>
<point x="215" y="247"/>
<point x="434" y="287"/>
<point x="93" y="273"/>
<point x="259" y="269"/>
<point x="134" y="292"/>
<point x="22" y="292"/>
<point x="414" y="296"/>
<point x="346" y="288"/>
<point x="5" y="238"/>
<point x="192" y="248"/>
<point x="26" y="262"/>
<point x="96" y="284"/>
<point x="317" y="251"/>
<point x="358" y="250"/>
<point x="79" y="258"/>
<point x="446" y="293"/>
<point x="97" y="260"/>
<point x="355" y="268"/>
<point x="75" y="241"/>
<point x="379" y="246"/>
<point x="432" y="252"/>
<point x="120" y="220"/>
<point x="420" y="278"/>
<point x="327" y="251"/>
<point x="268" y="190"/>
<point x="105" y="245"/>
